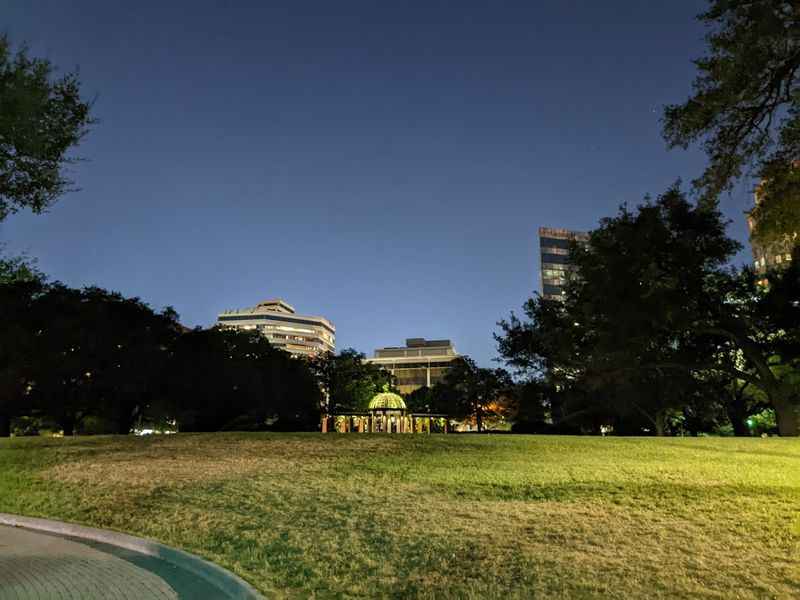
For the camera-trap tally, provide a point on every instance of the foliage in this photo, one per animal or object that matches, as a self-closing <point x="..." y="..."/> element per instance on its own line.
<point x="348" y="380"/>
<point x="761" y="325"/>
<point x="745" y="111"/>
<point x="15" y="269"/>
<point x="94" y="361"/>
<point x="654" y="332"/>
<point x="533" y="402"/>
<point x="422" y="399"/>
<point x="763" y="422"/>
<point x="233" y="379"/>
<point x="17" y="347"/>
<point x="469" y="391"/>
<point x="622" y="338"/>
<point x="41" y="118"/>
<point x="745" y="103"/>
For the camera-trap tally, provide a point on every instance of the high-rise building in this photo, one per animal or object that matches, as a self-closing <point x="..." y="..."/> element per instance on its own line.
<point x="554" y="248"/>
<point x="418" y="364"/>
<point x="301" y="335"/>
<point x="775" y="255"/>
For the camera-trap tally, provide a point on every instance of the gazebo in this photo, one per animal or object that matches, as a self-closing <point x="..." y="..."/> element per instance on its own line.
<point x="386" y="413"/>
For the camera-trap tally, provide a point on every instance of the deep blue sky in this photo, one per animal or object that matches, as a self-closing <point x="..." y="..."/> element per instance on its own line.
<point x="384" y="164"/>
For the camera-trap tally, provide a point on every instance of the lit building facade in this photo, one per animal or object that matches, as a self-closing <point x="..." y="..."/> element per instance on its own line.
<point x="301" y="335"/>
<point x="766" y="257"/>
<point x="420" y="363"/>
<point x="554" y="254"/>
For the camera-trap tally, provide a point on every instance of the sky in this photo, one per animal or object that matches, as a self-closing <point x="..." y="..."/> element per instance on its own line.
<point x="383" y="164"/>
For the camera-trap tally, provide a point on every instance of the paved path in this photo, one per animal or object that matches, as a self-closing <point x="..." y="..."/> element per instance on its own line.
<point x="41" y="566"/>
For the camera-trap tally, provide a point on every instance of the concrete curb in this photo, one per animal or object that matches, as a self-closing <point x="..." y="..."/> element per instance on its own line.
<point x="232" y="585"/>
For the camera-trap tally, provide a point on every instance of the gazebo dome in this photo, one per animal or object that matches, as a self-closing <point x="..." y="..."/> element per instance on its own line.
<point x="387" y="401"/>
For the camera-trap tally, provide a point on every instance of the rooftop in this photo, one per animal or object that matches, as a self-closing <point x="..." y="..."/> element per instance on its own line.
<point x="272" y="306"/>
<point x="387" y="401"/>
<point x="275" y="305"/>
<point x="420" y="343"/>
<point x="563" y="234"/>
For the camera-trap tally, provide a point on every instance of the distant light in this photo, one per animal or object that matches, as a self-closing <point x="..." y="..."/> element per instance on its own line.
<point x="750" y="422"/>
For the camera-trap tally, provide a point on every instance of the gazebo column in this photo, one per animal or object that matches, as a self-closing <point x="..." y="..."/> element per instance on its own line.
<point x="446" y="425"/>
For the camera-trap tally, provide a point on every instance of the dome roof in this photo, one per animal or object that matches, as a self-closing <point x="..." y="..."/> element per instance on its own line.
<point x="387" y="401"/>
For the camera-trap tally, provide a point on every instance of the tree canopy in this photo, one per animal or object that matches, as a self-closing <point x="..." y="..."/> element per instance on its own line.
<point x="90" y="360"/>
<point x="348" y="380"/>
<point x="653" y="320"/>
<point x="41" y="118"/>
<point x="745" y="107"/>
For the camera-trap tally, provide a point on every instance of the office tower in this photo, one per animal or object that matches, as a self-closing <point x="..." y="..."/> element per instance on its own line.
<point x="554" y="252"/>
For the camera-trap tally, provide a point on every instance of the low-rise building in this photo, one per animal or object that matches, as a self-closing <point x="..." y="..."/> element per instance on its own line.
<point x="419" y="363"/>
<point x="301" y="335"/>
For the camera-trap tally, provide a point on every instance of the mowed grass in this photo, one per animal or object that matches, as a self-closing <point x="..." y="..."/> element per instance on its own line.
<point x="341" y="516"/>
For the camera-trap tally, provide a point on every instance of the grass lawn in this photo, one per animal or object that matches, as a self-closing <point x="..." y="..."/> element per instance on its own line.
<point x="306" y="515"/>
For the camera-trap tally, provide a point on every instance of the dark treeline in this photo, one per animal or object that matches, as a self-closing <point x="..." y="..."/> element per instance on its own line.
<point x="92" y="361"/>
<point x="656" y="334"/>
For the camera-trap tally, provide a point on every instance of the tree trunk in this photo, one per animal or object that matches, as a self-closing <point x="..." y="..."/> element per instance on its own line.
<point x="659" y="422"/>
<point x="787" y="413"/>
<point x="5" y="425"/>
<point x="68" y="426"/>
<point x="739" y="423"/>
<point x="126" y="417"/>
<point x="738" y="418"/>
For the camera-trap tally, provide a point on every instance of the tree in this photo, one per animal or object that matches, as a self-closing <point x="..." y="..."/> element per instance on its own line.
<point x="623" y="336"/>
<point x="133" y="341"/>
<point x="64" y="358"/>
<point x="17" y="299"/>
<point x="348" y="381"/>
<point x="41" y="118"/>
<point x="230" y="379"/>
<point x="469" y="391"/>
<point x="739" y="399"/>
<point x="15" y="269"/>
<point x="762" y="324"/>
<point x="20" y="283"/>
<point x="422" y="399"/>
<point x="533" y="401"/>
<point x="745" y="107"/>
<point x="653" y="314"/>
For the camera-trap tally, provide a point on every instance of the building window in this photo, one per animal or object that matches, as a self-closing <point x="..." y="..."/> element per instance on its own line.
<point x="554" y="250"/>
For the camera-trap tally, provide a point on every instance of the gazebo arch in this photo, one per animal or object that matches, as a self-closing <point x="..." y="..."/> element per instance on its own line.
<point x="386" y="413"/>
